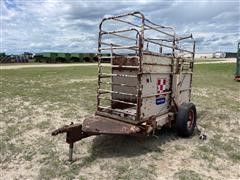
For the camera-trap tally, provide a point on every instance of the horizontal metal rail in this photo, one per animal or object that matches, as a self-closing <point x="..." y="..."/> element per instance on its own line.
<point x="160" y="39"/>
<point x="184" y="37"/>
<point x="172" y="47"/>
<point x="135" y="25"/>
<point x="119" y="66"/>
<point x="121" y="47"/>
<point x="186" y="59"/>
<point x="122" y="36"/>
<point x="157" y="54"/>
<point x="157" y="64"/>
<point x="160" y="26"/>
<point x="157" y="94"/>
<point x="106" y="75"/>
<point x="158" y="73"/>
<point x="104" y="91"/>
<point x="127" y="22"/>
<point x="123" y="15"/>
<point x="130" y="117"/>
<point x="123" y="54"/>
<point x="116" y="110"/>
<point x="118" y="84"/>
<point x="160" y="44"/>
<point x="126" y="57"/>
<point x="119" y="101"/>
<point x="118" y="31"/>
<point x="150" y="27"/>
<point x="157" y="27"/>
<point x="117" y="45"/>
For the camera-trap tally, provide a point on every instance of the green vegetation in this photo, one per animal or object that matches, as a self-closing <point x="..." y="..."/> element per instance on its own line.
<point x="55" y="85"/>
<point x="34" y="101"/>
<point x="214" y="75"/>
<point x="187" y="175"/>
<point x="216" y="95"/>
<point x="208" y="59"/>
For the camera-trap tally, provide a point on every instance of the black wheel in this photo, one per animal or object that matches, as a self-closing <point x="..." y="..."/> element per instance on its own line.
<point x="186" y="119"/>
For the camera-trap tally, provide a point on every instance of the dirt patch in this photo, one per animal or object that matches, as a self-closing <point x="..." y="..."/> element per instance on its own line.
<point x="26" y="136"/>
<point x="30" y="152"/>
<point x="81" y="80"/>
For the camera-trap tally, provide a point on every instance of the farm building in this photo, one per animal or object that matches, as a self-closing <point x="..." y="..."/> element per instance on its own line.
<point x="219" y="54"/>
<point x="54" y="57"/>
<point x="22" y="58"/>
<point x="204" y="55"/>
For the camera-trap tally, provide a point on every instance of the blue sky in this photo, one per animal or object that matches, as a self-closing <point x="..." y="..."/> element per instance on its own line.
<point x="72" y="26"/>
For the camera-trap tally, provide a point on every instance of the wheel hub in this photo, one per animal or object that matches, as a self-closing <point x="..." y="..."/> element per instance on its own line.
<point x="190" y="119"/>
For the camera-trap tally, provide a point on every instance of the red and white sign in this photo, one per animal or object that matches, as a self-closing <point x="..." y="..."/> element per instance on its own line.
<point x="161" y="85"/>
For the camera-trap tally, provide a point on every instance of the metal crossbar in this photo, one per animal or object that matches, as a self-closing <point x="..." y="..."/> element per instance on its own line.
<point x="104" y="91"/>
<point x="118" y="84"/>
<point x="114" y="100"/>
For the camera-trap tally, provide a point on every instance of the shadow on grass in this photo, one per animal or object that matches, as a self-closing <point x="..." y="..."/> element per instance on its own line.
<point x="110" y="146"/>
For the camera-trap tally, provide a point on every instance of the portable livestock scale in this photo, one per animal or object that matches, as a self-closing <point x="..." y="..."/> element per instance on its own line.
<point x="146" y="85"/>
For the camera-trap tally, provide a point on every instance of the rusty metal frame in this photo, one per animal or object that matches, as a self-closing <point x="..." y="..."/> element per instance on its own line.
<point x="107" y="122"/>
<point x="145" y="25"/>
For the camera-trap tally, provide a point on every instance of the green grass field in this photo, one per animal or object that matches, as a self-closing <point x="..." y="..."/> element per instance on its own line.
<point x="35" y="101"/>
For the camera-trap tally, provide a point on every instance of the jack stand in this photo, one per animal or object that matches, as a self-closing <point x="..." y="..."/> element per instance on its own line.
<point x="71" y="152"/>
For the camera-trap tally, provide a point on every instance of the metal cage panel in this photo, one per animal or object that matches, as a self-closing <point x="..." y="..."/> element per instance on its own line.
<point x="149" y="66"/>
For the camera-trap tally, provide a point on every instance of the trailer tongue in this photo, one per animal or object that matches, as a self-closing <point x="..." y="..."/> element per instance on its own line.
<point x="96" y="125"/>
<point x="146" y="85"/>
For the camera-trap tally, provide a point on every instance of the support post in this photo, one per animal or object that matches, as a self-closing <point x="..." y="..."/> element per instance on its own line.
<point x="71" y="152"/>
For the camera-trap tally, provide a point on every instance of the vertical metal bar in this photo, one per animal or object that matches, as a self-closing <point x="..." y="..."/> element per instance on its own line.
<point x="174" y="45"/>
<point x="193" y="56"/>
<point x="99" y="62"/>
<point x="137" y="43"/>
<point x="172" y="98"/>
<point x="139" y="76"/>
<point x="111" y="79"/>
<point x="70" y="152"/>
<point x="194" y="43"/>
<point x="160" y="49"/>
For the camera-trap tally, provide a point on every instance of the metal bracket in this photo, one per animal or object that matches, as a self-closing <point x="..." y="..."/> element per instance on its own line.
<point x="74" y="133"/>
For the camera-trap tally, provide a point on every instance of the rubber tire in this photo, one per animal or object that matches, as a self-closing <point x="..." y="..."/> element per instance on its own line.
<point x="182" y="119"/>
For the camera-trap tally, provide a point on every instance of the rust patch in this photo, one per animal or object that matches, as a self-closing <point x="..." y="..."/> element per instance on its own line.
<point x="103" y="125"/>
<point x="237" y="78"/>
<point x="119" y="105"/>
<point x="74" y="132"/>
<point x="125" y="61"/>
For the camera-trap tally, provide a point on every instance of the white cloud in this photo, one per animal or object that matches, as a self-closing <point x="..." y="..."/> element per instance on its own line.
<point x="68" y="25"/>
